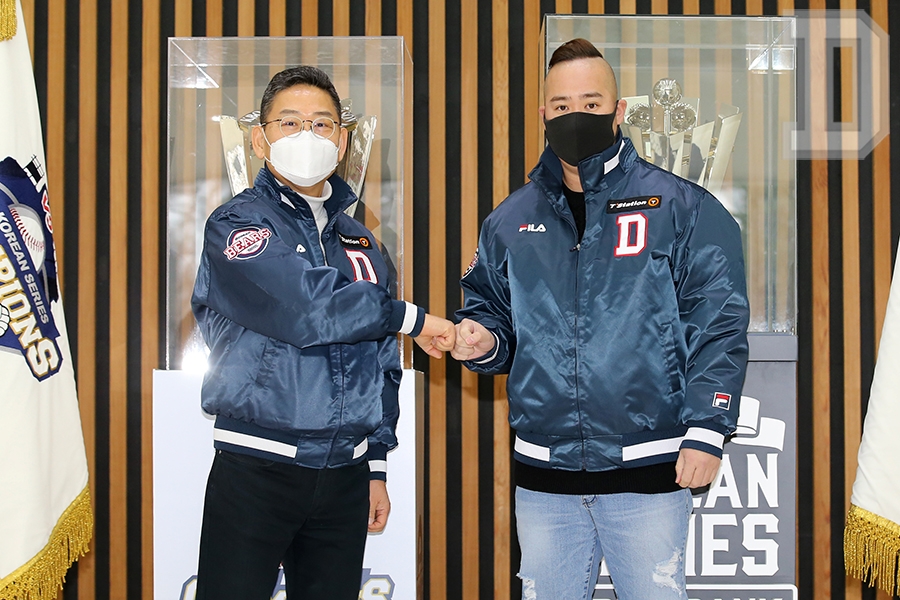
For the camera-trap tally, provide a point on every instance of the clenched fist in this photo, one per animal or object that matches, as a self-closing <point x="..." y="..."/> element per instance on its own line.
<point x="473" y="341"/>
<point x="438" y="335"/>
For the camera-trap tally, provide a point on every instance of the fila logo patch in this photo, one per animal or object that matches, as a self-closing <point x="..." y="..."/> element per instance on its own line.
<point x="247" y="243"/>
<point x="539" y="228"/>
<point x="632" y="204"/>
<point x="348" y="241"/>
<point x="722" y="400"/>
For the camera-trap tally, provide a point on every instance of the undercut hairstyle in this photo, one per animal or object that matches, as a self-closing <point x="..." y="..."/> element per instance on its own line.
<point x="574" y="50"/>
<point x="302" y="75"/>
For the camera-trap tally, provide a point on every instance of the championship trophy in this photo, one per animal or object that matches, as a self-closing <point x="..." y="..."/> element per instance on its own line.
<point x="666" y="133"/>
<point x="241" y="161"/>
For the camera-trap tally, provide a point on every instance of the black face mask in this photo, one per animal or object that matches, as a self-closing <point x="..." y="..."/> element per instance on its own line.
<point x="578" y="135"/>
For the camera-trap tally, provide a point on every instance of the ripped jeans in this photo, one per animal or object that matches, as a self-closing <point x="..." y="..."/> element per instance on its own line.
<point x="564" y="537"/>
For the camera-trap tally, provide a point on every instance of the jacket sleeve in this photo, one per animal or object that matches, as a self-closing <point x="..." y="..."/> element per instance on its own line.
<point x="711" y="288"/>
<point x="486" y="299"/>
<point x="276" y="292"/>
<point x="384" y="438"/>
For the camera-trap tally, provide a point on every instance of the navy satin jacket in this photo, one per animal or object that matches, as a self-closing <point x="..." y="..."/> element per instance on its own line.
<point x="304" y="365"/>
<point x="628" y="346"/>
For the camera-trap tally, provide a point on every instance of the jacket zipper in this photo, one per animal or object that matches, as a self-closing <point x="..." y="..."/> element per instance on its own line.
<point x="577" y="251"/>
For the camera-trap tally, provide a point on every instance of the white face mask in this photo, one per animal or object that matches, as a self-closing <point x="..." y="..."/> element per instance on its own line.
<point x="304" y="160"/>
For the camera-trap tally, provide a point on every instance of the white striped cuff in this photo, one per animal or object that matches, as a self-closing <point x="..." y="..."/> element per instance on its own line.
<point x="493" y="355"/>
<point x="378" y="466"/>
<point x="409" y="318"/>
<point x="707" y="436"/>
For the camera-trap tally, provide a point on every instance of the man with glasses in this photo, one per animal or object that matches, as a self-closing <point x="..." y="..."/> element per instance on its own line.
<point x="613" y="294"/>
<point x="292" y="297"/>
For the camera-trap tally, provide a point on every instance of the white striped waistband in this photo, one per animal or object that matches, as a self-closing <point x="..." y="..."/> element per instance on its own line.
<point x="266" y="445"/>
<point x="532" y="450"/>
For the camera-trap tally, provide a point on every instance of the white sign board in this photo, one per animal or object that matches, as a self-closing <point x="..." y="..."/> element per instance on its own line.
<point x="182" y="455"/>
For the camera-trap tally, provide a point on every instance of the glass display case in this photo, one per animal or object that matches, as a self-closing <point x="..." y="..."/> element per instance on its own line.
<point x="711" y="98"/>
<point x="214" y="89"/>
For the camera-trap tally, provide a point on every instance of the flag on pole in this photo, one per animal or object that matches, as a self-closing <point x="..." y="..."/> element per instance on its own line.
<point x="45" y="508"/>
<point x="872" y="534"/>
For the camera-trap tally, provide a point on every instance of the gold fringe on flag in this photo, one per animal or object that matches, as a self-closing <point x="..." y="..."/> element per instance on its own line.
<point x="42" y="577"/>
<point x="872" y="549"/>
<point x="7" y="20"/>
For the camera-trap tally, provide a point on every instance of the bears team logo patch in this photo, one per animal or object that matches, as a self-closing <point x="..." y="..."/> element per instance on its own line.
<point x="722" y="400"/>
<point x="630" y="204"/>
<point x="248" y="242"/>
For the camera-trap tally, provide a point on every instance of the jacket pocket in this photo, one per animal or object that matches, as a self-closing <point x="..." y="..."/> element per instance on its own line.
<point x="267" y="360"/>
<point x="670" y="357"/>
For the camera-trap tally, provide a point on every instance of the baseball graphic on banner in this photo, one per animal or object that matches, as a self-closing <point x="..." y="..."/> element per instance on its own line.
<point x="31" y="229"/>
<point x="4" y="319"/>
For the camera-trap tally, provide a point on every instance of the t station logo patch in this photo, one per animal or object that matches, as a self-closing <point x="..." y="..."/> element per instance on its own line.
<point x="27" y="268"/>
<point x="353" y="242"/>
<point x="633" y="204"/>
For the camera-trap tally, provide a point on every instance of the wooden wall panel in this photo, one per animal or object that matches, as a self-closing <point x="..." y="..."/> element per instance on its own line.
<point x="500" y="165"/>
<point x="100" y="74"/>
<point x="436" y="497"/>
<point x="470" y="117"/>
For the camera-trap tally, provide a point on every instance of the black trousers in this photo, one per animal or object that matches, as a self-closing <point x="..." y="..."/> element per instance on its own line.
<point x="260" y="514"/>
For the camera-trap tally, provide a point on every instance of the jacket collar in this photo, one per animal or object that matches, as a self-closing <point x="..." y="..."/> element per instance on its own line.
<point x="341" y="194"/>
<point x="597" y="172"/>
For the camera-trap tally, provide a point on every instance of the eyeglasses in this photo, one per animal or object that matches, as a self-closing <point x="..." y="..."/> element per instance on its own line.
<point x="322" y="127"/>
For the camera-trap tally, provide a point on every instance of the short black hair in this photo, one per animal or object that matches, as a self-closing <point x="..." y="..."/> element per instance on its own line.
<point x="302" y="75"/>
<point x="573" y="50"/>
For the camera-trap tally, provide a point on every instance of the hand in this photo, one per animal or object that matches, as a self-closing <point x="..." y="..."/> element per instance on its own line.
<point x="695" y="468"/>
<point x="473" y="341"/>
<point x="379" y="505"/>
<point x="438" y="336"/>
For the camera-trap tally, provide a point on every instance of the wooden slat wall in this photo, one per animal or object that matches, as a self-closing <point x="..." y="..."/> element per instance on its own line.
<point x="100" y="73"/>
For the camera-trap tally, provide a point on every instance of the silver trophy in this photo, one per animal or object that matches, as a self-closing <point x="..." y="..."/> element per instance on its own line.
<point x="663" y="128"/>
<point x="353" y="166"/>
<point x="241" y="161"/>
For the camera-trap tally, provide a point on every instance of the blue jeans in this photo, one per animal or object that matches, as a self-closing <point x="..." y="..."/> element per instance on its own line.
<point x="564" y="537"/>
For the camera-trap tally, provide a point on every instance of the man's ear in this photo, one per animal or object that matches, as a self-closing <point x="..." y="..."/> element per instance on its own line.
<point x="541" y="112"/>
<point x="342" y="144"/>
<point x="621" y="105"/>
<point x="258" y="141"/>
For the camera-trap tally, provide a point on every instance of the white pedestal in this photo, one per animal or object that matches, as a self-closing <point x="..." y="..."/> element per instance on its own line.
<point x="182" y="455"/>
